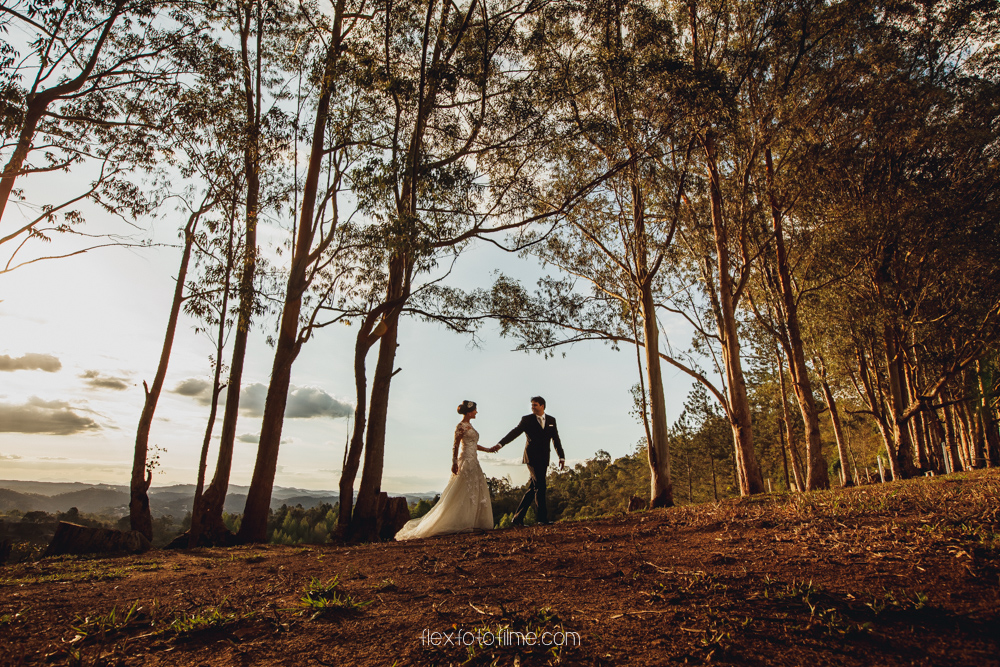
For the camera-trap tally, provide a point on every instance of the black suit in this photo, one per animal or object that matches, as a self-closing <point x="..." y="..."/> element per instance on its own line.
<point x="536" y="456"/>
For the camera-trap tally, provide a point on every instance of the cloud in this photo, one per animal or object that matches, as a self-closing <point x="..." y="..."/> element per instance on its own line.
<point x="98" y="380"/>
<point x="302" y="403"/>
<point x="9" y="457"/>
<point x="30" y="362"/>
<point x="195" y="388"/>
<point x="38" y="416"/>
<point x="306" y="402"/>
<point x="254" y="439"/>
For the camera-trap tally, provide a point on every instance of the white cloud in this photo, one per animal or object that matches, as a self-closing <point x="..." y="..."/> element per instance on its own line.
<point x="302" y="403"/>
<point x="99" y="380"/>
<point x="40" y="416"/>
<point x="30" y="362"/>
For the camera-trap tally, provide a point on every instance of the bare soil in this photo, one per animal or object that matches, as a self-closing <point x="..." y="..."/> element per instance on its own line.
<point x="905" y="573"/>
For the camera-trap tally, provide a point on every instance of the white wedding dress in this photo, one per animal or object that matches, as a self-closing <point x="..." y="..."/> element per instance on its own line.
<point x="465" y="502"/>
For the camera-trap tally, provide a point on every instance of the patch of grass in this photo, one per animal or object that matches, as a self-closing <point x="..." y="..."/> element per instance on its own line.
<point x="74" y="568"/>
<point x="101" y="626"/>
<point x="12" y="618"/>
<point x="205" y="618"/>
<point x="898" y="601"/>
<point x="322" y="598"/>
<point x="387" y="585"/>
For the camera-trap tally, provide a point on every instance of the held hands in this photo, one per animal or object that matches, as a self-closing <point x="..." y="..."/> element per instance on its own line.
<point x="495" y="448"/>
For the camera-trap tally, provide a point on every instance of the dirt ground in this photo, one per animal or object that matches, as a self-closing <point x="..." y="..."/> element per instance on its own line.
<point x="904" y="573"/>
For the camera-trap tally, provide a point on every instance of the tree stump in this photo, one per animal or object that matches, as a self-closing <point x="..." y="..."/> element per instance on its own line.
<point x="636" y="503"/>
<point x="395" y="514"/>
<point x="71" y="538"/>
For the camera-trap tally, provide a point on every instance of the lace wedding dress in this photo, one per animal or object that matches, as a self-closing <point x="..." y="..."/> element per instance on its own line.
<point x="465" y="502"/>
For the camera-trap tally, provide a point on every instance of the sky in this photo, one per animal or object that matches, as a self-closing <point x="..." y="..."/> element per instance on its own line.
<point x="78" y="337"/>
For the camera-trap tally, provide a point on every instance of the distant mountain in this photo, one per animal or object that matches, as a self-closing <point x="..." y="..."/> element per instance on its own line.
<point x="26" y="502"/>
<point x="45" y="488"/>
<point x="174" y="500"/>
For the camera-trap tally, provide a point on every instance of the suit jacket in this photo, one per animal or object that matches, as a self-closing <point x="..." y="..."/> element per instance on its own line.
<point x="536" y="449"/>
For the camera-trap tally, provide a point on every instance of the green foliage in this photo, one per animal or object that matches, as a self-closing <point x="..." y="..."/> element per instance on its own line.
<point x="296" y="525"/>
<point x="422" y="507"/>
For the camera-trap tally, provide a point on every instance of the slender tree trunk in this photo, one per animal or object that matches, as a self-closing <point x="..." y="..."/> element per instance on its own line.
<point x="936" y="437"/>
<point x="901" y="458"/>
<point x="917" y="431"/>
<point x="254" y="525"/>
<point x="197" y="509"/>
<point x="365" y="523"/>
<point x="352" y="458"/>
<point x="660" y="485"/>
<point x="965" y="432"/>
<point x="845" y="471"/>
<point x="750" y="479"/>
<point x="793" y="450"/>
<point x="990" y="434"/>
<point x="212" y="506"/>
<point x="873" y="399"/>
<point x="816" y="474"/>
<point x="139" y="515"/>
<point x="957" y="464"/>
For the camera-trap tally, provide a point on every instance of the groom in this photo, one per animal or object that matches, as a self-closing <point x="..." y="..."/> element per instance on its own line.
<point x="540" y="429"/>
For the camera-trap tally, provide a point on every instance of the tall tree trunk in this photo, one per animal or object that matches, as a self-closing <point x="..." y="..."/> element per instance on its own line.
<point x="992" y="438"/>
<point x="750" y="479"/>
<point x="957" y="465"/>
<point x="901" y="457"/>
<point x="965" y="431"/>
<point x="212" y="503"/>
<point x="197" y="509"/>
<point x="816" y="474"/>
<point x="917" y="431"/>
<point x="254" y="525"/>
<point x="786" y="418"/>
<point x="845" y="471"/>
<point x="365" y="522"/>
<point x="873" y="398"/>
<point x="139" y="515"/>
<point x="367" y="336"/>
<point x="660" y="485"/>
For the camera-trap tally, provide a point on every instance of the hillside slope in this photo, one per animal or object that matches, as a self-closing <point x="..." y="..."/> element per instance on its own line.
<point x="897" y="574"/>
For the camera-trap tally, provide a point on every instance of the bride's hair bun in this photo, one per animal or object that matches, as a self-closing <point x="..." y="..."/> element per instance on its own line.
<point x="465" y="407"/>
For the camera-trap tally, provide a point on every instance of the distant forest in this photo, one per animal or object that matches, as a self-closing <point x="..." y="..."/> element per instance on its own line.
<point x="808" y="187"/>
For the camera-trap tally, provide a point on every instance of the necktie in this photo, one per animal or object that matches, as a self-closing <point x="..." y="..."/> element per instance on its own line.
<point x="541" y="421"/>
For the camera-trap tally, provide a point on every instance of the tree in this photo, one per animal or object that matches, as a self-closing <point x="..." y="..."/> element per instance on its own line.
<point x="318" y="242"/>
<point x="454" y="164"/>
<point x="142" y="476"/>
<point x="244" y="88"/>
<point x="101" y="78"/>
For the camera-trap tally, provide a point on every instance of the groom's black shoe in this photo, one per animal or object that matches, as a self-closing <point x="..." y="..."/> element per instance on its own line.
<point x="517" y="524"/>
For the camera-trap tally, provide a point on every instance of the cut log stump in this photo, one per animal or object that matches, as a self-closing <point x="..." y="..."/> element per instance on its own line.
<point x="71" y="538"/>
<point x="395" y="514"/>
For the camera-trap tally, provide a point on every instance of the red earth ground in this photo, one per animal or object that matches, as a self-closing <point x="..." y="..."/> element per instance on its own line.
<point x="905" y="573"/>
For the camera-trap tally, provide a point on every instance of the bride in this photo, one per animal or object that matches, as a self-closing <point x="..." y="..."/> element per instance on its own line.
<point x="465" y="502"/>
